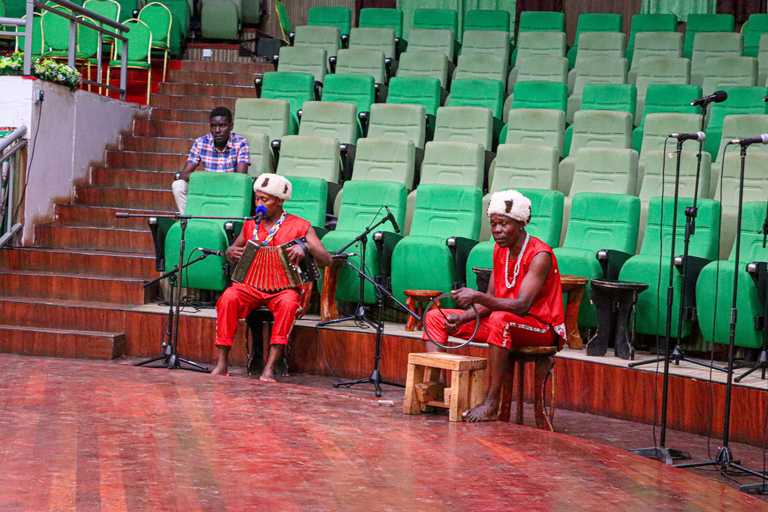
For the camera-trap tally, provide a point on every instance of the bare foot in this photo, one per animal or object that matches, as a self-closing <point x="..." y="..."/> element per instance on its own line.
<point x="220" y="370"/>
<point x="483" y="412"/>
<point x="266" y="375"/>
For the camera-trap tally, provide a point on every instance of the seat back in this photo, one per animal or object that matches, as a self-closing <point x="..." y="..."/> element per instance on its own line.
<point x="372" y="17"/>
<point x="524" y="165"/>
<point x="158" y="18"/>
<point x="325" y="38"/>
<point x="714" y="44"/>
<point x="361" y="205"/>
<point x="610" y="170"/>
<point x="87" y="39"/>
<point x="597" y="22"/>
<point x="431" y="41"/>
<point x="385" y="160"/>
<point x="400" y="122"/>
<point x="541" y="21"/>
<point x="656" y="44"/>
<point x="312" y="157"/>
<point x="755" y="180"/>
<point x="670" y="98"/>
<point x="37" y="36"/>
<point x="486" y="42"/>
<point x="304" y="60"/>
<point x="424" y="64"/>
<point x="601" y="129"/>
<point x="487" y="66"/>
<point x="361" y="62"/>
<point x="659" y="171"/>
<point x="666" y="22"/>
<point x="600" y="70"/>
<point x="454" y="163"/>
<point x="139" y="41"/>
<point x="753" y="30"/>
<point x="269" y="116"/>
<point x="309" y="199"/>
<point x="339" y="17"/>
<point x="465" y="124"/>
<point x="704" y="23"/>
<point x="751" y="247"/>
<point x="658" y="126"/>
<point x="741" y="100"/>
<point x="107" y="8"/>
<point x="486" y="20"/>
<point x="534" y="43"/>
<point x="435" y="19"/>
<point x="357" y="90"/>
<point x="415" y="91"/>
<point x="658" y="231"/>
<point x="600" y="44"/>
<point x="284" y="19"/>
<point x="729" y="72"/>
<point x="534" y="126"/>
<point x="552" y="95"/>
<point x="444" y="211"/>
<point x="295" y="88"/>
<point x="739" y="126"/>
<point x="55" y="30"/>
<point x="478" y="92"/>
<point x="622" y="97"/>
<point x="603" y="221"/>
<point x="546" y="214"/>
<point x="542" y="68"/>
<point x="330" y="119"/>
<point x="659" y="71"/>
<point x="372" y="38"/>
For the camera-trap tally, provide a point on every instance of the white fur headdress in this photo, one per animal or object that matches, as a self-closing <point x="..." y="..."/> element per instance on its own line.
<point x="511" y="203"/>
<point x="274" y="185"/>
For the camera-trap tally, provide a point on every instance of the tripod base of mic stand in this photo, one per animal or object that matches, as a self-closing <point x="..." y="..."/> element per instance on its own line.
<point x="374" y="379"/>
<point x="665" y="455"/>
<point x="675" y="357"/>
<point x="174" y="363"/>
<point x="760" y="364"/>
<point x="725" y="461"/>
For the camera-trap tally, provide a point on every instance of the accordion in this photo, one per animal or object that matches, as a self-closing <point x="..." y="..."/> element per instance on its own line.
<point x="269" y="269"/>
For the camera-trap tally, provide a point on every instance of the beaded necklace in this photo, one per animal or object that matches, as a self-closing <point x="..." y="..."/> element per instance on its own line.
<point x="517" y="263"/>
<point x="272" y="231"/>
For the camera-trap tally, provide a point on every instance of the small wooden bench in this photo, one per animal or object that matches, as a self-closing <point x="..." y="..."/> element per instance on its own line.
<point x="544" y="360"/>
<point x="467" y="383"/>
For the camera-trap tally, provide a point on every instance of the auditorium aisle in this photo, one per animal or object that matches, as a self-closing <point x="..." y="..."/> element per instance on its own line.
<point x="67" y="295"/>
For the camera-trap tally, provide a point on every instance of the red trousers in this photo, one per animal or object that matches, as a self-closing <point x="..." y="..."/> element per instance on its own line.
<point x="238" y="300"/>
<point x="500" y="328"/>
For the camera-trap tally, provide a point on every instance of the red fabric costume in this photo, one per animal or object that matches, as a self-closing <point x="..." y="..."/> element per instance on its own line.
<point x="543" y="325"/>
<point x="239" y="299"/>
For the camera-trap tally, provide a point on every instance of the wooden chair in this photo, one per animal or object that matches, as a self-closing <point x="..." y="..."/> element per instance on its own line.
<point x="544" y="360"/>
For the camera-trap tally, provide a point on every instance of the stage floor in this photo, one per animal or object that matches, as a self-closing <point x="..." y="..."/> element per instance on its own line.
<point x="90" y="435"/>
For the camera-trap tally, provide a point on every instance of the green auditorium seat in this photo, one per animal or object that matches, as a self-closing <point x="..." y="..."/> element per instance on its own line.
<point x="741" y="100"/>
<point x="361" y="207"/>
<point x="715" y="44"/>
<point x="657" y="127"/>
<point x="597" y="45"/>
<point x="540" y="68"/>
<point x="597" y="222"/>
<point x="620" y="97"/>
<point x="594" y="22"/>
<point x="313" y="61"/>
<point x="436" y="19"/>
<point x="399" y="122"/>
<point x="251" y="11"/>
<point x="667" y="99"/>
<point x="417" y="91"/>
<point x="354" y="61"/>
<point x="659" y="71"/>
<point x="535" y="126"/>
<point x="728" y="72"/>
<point x="295" y="88"/>
<point x="604" y="70"/>
<point x="431" y="41"/>
<point x="714" y="289"/>
<point x="323" y="38"/>
<point x="762" y="61"/>
<point x="658" y="181"/>
<point x="542" y="21"/>
<point x="482" y="93"/>
<point x="486" y="42"/>
<point x="310" y="157"/>
<point x="727" y="191"/>
<point x="530" y="44"/>
<point x="375" y="39"/>
<point x="753" y="30"/>
<point x="704" y="23"/>
<point x="220" y="19"/>
<point x="465" y="124"/>
<point x="646" y="268"/>
<point x="309" y="200"/>
<point x="594" y="129"/>
<point x="330" y="119"/>
<point x="339" y="17"/>
<point x="546" y="218"/>
<point x="659" y="22"/>
<point x="424" y="65"/>
<point x="739" y="126"/>
<point x="490" y="67"/>
<point x="648" y="45"/>
<point x="210" y="194"/>
<point x="357" y="90"/>
<point x="607" y="169"/>
<point x="487" y="20"/>
<point x="553" y="95"/>
<point x="182" y="13"/>
<point x="372" y="17"/>
<point x="160" y="22"/>
<point x="261" y="121"/>
<point x="424" y="260"/>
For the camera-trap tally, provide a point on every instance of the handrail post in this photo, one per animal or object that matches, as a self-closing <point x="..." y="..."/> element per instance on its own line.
<point x="28" y="36"/>
<point x="100" y="56"/>
<point x="124" y="70"/>
<point x="72" y="44"/>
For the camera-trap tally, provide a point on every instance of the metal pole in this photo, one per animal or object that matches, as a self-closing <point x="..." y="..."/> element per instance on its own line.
<point x="99" y="57"/>
<point x="72" y="43"/>
<point x="124" y="70"/>
<point x="28" y="36"/>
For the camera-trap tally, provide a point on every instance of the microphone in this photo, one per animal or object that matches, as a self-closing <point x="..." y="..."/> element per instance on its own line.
<point x="698" y="136"/>
<point x="706" y="100"/>
<point x="210" y="251"/>
<point x="391" y="219"/>
<point x="761" y="139"/>
<point x="261" y="211"/>
<point x="342" y="255"/>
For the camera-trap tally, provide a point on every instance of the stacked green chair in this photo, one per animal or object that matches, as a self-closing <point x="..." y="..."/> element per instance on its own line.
<point x="595" y="71"/>
<point x="666" y="22"/>
<point x="339" y="17"/>
<point x="658" y="71"/>
<point x="295" y="88"/>
<point x="535" y="126"/>
<point x="159" y="20"/>
<point x="325" y="38"/>
<point x="398" y="122"/>
<point x="261" y="121"/>
<point x="714" y="289"/>
<point x="704" y="23"/>
<point x="741" y="100"/>
<point x="111" y="10"/>
<point x="545" y="224"/>
<point x="294" y="59"/>
<point x="355" y="89"/>
<point x="424" y="65"/>
<point x="284" y="20"/>
<point x="361" y="207"/>
<point x="220" y="19"/>
<point x="309" y="200"/>
<point x="126" y="9"/>
<point x="486" y="42"/>
<point x="376" y="39"/>
<point x="594" y="22"/>
<point x="532" y="44"/>
<point x="597" y="45"/>
<point x="423" y="260"/>
<point x="15" y="8"/>
<point x="210" y="194"/>
<point x="55" y="31"/>
<point x="762" y="61"/>
<point x="657" y="127"/>
<point x="417" y="91"/>
<point x="139" y="49"/>
<point x="727" y="72"/>
<point x="597" y="222"/>
<point x="488" y="20"/>
<point x="708" y="45"/>
<point x="431" y="41"/>
<point x="552" y="95"/>
<point x="753" y="30"/>
<point x="594" y="129"/>
<point x="372" y="17"/>
<point x="652" y="265"/>
<point x="37" y="36"/>
<point x="88" y="46"/>
<point x="649" y="45"/>
<point x="666" y="99"/>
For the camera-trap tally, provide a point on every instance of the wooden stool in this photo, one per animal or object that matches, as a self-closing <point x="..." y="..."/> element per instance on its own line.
<point x="544" y="359"/>
<point x="467" y="382"/>
<point x="415" y="302"/>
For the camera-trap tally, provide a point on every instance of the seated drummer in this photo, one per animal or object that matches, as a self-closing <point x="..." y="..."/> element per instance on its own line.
<point x="276" y="228"/>
<point x="523" y="305"/>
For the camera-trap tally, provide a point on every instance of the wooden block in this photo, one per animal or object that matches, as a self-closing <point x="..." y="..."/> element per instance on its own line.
<point x="445" y="361"/>
<point x="411" y="403"/>
<point x="429" y="391"/>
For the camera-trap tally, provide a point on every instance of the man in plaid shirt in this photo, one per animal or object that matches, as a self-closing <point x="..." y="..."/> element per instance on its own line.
<point x="219" y="151"/>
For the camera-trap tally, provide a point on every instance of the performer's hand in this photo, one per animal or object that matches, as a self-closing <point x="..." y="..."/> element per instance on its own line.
<point x="452" y="324"/>
<point x="296" y="254"/>
<point x="465" y="297"/>
<point x="234" y="253"/>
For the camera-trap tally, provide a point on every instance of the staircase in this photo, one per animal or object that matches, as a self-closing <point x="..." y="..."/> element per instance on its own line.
<point x="68" y="294"/>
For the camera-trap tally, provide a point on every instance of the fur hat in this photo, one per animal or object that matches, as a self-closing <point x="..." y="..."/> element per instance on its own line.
<point x="274" y="185"/>
<point x="511" y="203"/>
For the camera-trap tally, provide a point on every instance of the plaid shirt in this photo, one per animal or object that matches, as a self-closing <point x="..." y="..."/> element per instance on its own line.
<point x="203" y="150"/>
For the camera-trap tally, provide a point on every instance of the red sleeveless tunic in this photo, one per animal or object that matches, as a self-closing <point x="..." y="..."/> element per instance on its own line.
<point x="292" y="227"/>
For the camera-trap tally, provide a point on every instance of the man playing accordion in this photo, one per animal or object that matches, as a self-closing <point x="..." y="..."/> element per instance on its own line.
<point x="277" y="227"/>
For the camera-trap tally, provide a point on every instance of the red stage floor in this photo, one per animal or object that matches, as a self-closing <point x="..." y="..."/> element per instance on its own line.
<point x="90" y="435"/>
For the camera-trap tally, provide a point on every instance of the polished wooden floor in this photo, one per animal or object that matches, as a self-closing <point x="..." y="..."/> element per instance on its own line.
<point x="77" y="435"/>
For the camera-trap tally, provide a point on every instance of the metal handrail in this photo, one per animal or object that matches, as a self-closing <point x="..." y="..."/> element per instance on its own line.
<point x="28" y="25"/>
<point x="6" y="142"/>
<point x="15" y="141"/>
